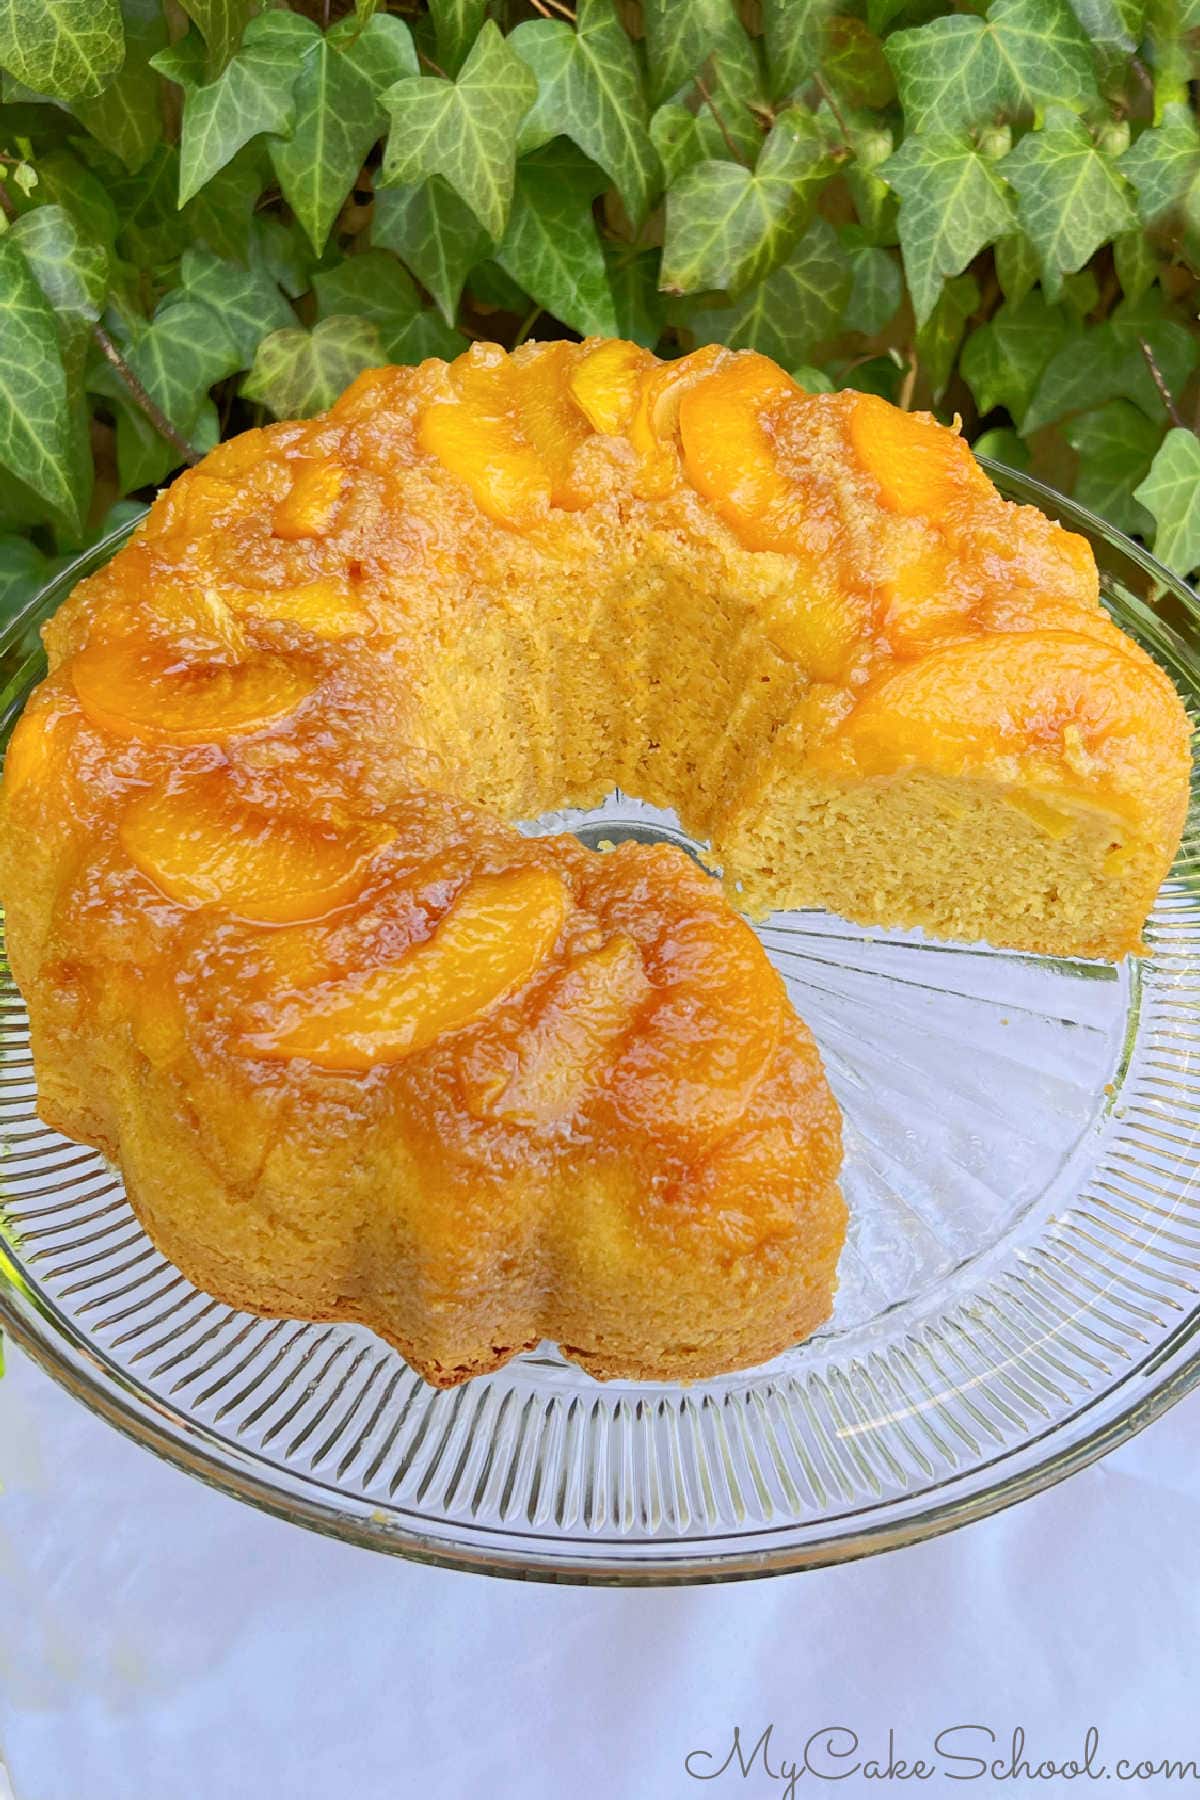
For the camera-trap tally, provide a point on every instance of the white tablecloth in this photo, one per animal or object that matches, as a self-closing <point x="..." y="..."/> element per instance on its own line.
<point x="162" y="1642"/>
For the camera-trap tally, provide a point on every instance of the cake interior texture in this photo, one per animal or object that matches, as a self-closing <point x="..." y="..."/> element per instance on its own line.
<point x="364" y="1051"/>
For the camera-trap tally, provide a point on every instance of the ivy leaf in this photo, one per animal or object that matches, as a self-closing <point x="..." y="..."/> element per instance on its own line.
<point x="464" y="130"/>
<point x="1016" y="266"/>
<point x="221" y="24"/>
<point x="127" y="117"/>
<point x="1003" y="360"/>
<point x="853" y="63"/>
<point x="66" y="49"/>
<point x="185" y="62"/>
<point x="876" y="287"/>
<point x="23" y="570"/>
<point x="633" y="283"/>
<point x="374" y="286"/>
<point x="177" y="356"/>
<point x="381" y="48"/>
<point x="252" y="93"/>
<point x="71" y="271"/>
<point x="144" y="459"/>
<point x="796" y="308"/>
<point x="590" y="90"/>
<point x="281" y="251"/>
<point x="684" y="136"/>
<point x="456" y="25"/>
<point x="792" y="34"/>
<point x="942" y="333"/>
<point x="873" y="199"/>
<point x="551" y="248"/>
<point x="727" y="226"/>
<point x="960" y="71"/>
<point x="222" y="214"/>
<point x="153" y="231"/>
<point x="1081" y="293"/>
<point x="1171" y="492"/>
<point x="1070" y="197"/>
<point x="336" y="116"/>
<point x="1136" y="263"/>
<point x="64" y="181"/>
<point x="1005" y="446"/>
<point x="435" y="233"/>
<point x="880" y="13"/>
<point x="492" y="289"/>
<point x="704" y="38"/>
<point x="1167" y="25"/>
<point x="1116" y="445"/>
<point x="247" y="300"/>
<point x="34" y="409"/>
<point x="297" y="373"/>
<point x="1114" y="27"/>
<point x="813" y="381"/>
<point x="1048" y="52"/>
<point x="878" y="375"/>
<point x="952" y="205"/>
<point x="1163" y="167"/>
<point x="1107" y="362"/>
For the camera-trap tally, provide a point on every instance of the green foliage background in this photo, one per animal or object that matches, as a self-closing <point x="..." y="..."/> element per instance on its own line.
<point x="218" y="211"/>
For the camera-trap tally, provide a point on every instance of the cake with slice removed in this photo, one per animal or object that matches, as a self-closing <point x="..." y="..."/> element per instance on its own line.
<point x="364" y="1051"/>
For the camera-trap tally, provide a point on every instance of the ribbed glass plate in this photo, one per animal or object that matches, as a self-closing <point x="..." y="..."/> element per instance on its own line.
<point x="1019" y="1291"/>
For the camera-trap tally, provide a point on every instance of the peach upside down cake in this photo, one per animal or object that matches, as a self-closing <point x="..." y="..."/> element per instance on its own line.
<point x="364" y="1051"/>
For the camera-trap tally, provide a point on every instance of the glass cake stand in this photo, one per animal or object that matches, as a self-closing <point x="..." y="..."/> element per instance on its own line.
<point x="1020" y="1290"/>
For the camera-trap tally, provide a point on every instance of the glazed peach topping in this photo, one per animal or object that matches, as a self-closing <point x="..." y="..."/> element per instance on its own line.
<point x="619" y="984"/>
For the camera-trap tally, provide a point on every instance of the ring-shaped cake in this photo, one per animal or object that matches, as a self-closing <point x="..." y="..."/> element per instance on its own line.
<point x="363" y="1050"/>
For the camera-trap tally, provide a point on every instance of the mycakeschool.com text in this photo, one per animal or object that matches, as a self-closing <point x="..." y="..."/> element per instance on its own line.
<point x="772" y="1761"/>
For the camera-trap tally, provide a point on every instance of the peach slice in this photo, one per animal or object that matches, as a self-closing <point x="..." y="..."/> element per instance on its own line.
<point x="703" y="1042"/>
<point x="605" y="384"/>
<point x="497" y="934"/>
<point x="729" y="453"/>
<point x="818" y="626"/>
<point x="204" y="846"/>
<point x="485" y="451"/>
<point x="920" y="467"/>
<point x="134" y="691"/>
<point x="307" y="511"/>
<point x="511" y="434"/>
<point x="549" y="419"/>
<point x="156" y="1017"/>
<point x="726" y="429"/>
<point x="324" y="606"/>
<point x="546" y="1075"/>
<point x="920" y="600"/>
<point x="655" y="419"/>
<point x="1086" y="714"/>
<point x="197" y="503"/>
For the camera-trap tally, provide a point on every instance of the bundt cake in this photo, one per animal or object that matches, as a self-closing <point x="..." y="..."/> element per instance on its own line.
<point x="365" y="1051"/>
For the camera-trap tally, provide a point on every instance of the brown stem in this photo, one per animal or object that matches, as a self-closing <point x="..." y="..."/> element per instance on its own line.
<point x="1164" y="391"/>
<point x="706" y="95"/>
<point x="549" y="7"/>
<point x="6" y="202"/>
<point x="141" y="399"/>
<point x="430" y="64"/>
<point x="904" y="398"/>
<point x="834" y="108"/>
